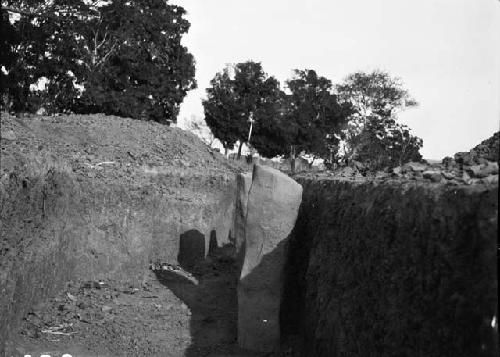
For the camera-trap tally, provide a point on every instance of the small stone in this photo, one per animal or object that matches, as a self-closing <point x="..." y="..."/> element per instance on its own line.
<point x="347" y="172"/>
<point x="106" y="308"/>
<point x="466" y="178"/>
<point x="448" y="175"/>
<point x="493" y="179"/>
<point x="66" y="307"/>
<point x="397" y="170"/>
<point x="8" y="135"/>
<point x="490" y="169"/>
<point x="474" y="171"/>
<point x="416" y="166"/>
<point x="434" y="176"/>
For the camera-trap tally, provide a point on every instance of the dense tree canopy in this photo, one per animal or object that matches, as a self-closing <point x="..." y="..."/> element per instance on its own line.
<point x="309" y="119"/>
<point x="373" y="134"/>
<point x="385" y="143"/>
<point x="315" y="117"/>
<point x="8" y="41"/>
<point x="375" y="93"/>
<point x="240" y="101"/>
<point x="121" y="57"/>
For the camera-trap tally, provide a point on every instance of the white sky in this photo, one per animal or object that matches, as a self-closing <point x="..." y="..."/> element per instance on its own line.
<point x="446" y="51"/>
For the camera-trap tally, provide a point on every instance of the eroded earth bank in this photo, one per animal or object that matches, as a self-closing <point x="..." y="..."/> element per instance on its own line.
<point x="121" y="237"/>
<point x="89" y="199"/>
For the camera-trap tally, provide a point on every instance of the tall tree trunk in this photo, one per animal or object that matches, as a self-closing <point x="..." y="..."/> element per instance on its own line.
<point x="239" y="149"/>
<point x="292" y="158"/>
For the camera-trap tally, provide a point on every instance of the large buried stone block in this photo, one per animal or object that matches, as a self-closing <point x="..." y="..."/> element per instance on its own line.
<point x="243" y="184"/>
<point x="273" y="204"/>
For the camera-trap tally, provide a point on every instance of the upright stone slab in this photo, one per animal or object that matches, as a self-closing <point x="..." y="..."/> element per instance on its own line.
<point x="243" y="183"/>
<point x="273" y="204"/>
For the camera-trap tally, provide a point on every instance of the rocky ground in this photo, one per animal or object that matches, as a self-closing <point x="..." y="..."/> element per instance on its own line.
<point x="478" y="166"/>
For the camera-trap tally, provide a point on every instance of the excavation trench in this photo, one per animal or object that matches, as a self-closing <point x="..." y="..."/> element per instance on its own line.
<point x="406" y="268"/>
<point x="369" y="267"/>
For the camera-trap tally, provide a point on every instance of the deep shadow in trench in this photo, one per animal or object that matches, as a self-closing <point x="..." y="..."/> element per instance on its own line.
<point x="213" y="301"/>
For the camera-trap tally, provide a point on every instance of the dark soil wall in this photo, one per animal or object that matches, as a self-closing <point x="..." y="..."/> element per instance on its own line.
<point x="395" y="269"/>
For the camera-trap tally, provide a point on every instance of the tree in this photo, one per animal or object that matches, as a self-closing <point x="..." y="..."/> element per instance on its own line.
<point x="122" y="57"/>
<point x="375" y="93"/>
<point x="373" y="134"/>
<point x="8" y="41"/>
<point x="314" y="116"/>
<point x="385" y="143"/>
<point x="147" y="72"/>
<point x="221" y="114"/>
<point x="240" y="102"/>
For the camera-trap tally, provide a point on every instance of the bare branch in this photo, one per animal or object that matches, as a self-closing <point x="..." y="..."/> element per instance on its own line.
<point x="103" y="41"/>
<point x="43" y="14"/>
<point x="103" y="59"/>
<point x="94" y="57"/>
<point x="23" y="12"/>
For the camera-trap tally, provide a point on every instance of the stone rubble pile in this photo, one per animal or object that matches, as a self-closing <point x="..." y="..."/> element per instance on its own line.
<point x="449" y="171"/>
<point x="478" y="166"/>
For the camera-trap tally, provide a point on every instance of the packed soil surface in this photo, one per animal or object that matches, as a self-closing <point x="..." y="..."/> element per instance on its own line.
<point x="172" y="313"/>
<point x="105" y="148"/>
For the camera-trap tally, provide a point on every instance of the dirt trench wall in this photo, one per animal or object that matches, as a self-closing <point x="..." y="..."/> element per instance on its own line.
<point x="58" y="227"/>
<point x="393" y="269"/>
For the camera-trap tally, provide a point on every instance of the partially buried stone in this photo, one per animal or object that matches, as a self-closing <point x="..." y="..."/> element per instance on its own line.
<point x="8" y="135"/>
<point x="474" y="171"/>
<point x="434" y="176"/>
<point x="448" y="175"/>
<point x="415" y="166"/>
<point x="273" y="204"/>
<point x="243" y="183"/>
<point x="490" y="168"/>
<point x="492" y="179"/>
<point x="397" y="170"/>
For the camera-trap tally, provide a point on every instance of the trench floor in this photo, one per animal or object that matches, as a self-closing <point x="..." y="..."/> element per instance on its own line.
<point x="167" y="315"/>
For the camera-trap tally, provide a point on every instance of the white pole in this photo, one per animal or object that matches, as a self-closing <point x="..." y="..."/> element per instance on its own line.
<point x="251" y="127"/>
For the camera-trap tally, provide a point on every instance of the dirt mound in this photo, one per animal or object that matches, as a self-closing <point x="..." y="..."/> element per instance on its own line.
<point x="102" y="147"/>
